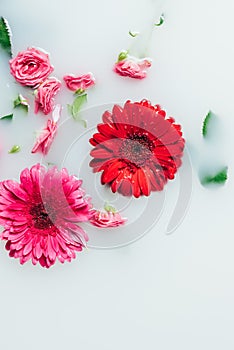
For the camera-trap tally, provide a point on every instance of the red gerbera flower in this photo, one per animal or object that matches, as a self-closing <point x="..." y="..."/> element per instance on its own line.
<point x="40" y="215"/>
<point x="137" y="148"/>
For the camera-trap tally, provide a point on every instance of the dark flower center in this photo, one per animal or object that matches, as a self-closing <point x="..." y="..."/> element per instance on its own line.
<point x="41" y="218"/>
<point x="137" y="149"/>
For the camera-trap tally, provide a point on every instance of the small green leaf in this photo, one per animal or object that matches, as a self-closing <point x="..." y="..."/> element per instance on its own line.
<point x="5" y="36"/>
<point x="8" y="117"/>
<point x="109" y="208"/>
<point x="14" y="149"/>
<point x="74" y="109"/>
<point x="50" y="164"/>
<point x="218" y="178"/>
<point x="82" y="121"/>
<point x="17" y="101"/>
<point x="21" y="101"/>
<point x="79" y="92"/>
<point x="122" y="56"/>
<point x="161" y="21"/>
<point x="133" y="34"/>
<point x="78" y="103"/>
<point x="206" y="123"/>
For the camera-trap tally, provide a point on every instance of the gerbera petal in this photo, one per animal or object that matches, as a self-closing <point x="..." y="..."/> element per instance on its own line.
<point x="116" y="183"/>
<point x="161" y="127"/>
<point x="143" y="182"/>
<point x="126" y="187"/>
<point x="170" y="137"/>
<point x="97" y="138"/>
<point x="54" y="244"/>
<point x="27" y="248"/>
<point x="24" y="259"/>
<point x="120" y="118"/>
<point x="79" y="235"/>
<point x="99" y="164"/>
<point x="43" y="261"/>
<point x="111" y="172"/>
<point x="108" y="130"/>
<point x="100" y="153"/>
<point x="37" y="251"/>
<point x="51" y="251"/>
<point x="107" y="117"/>
<point x="128" y="107"/>
<point x="14" y="188"/>
<point x="135" y="185"/>
<point x="152" y="178"/>
<point x="26" y="181"/>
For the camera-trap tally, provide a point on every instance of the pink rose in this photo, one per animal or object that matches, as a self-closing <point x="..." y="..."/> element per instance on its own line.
<point x="132" y="67"/>
<point x="31" y="67"/>
<point x="106" y="219"/>
<point x="44" y="98"/>
<point x="80" y="82"/>
<point x="47" y="135"/>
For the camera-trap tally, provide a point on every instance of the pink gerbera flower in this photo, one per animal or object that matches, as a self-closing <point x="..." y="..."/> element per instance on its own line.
<point x="40" y="215"/>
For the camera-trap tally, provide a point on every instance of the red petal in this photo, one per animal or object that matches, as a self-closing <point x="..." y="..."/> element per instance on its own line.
<point x="125" y="188"/>
<point x="97" y="138"/>
<point x="107" y="117"/>
<point x="97" y="164"/>
<point x="128" y="107"/>
<point x="152" y="178"/>
<point x="100" y="153"/>
<point x="112" y="145"/>
<point x="117" y="113"/>
<point x="159" y="177"/>
<point x="112" y="171"/>
<point x="143" y="182"/>
<point x="108" y="130"/>
<point x="170" y="137"/>
<point x="116" y="183"/>
<point x="161" y="128"/>
<point x="135" y="185"/>
<point x="170" y="173"/>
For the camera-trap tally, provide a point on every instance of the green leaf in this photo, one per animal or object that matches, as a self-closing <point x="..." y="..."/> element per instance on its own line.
<point x="161" y="21"/>
<point x="74" y="109"/>
<point x="133" y="34"/>
<point x="218" y="178"/>
<point x="79" y="92"/>
<point x="82" y="121"/>
<point x="78" y="103"/>
<point x="206" y="123"/>
<point x="122" y="56"/>
<point x="21" y="101"/>
<point x="14" y="149"/>
<point x="8" y="117"/>
<point x="50" y="164"/>
<point x="5" y="36"/>
<point x="109" y="208"/>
